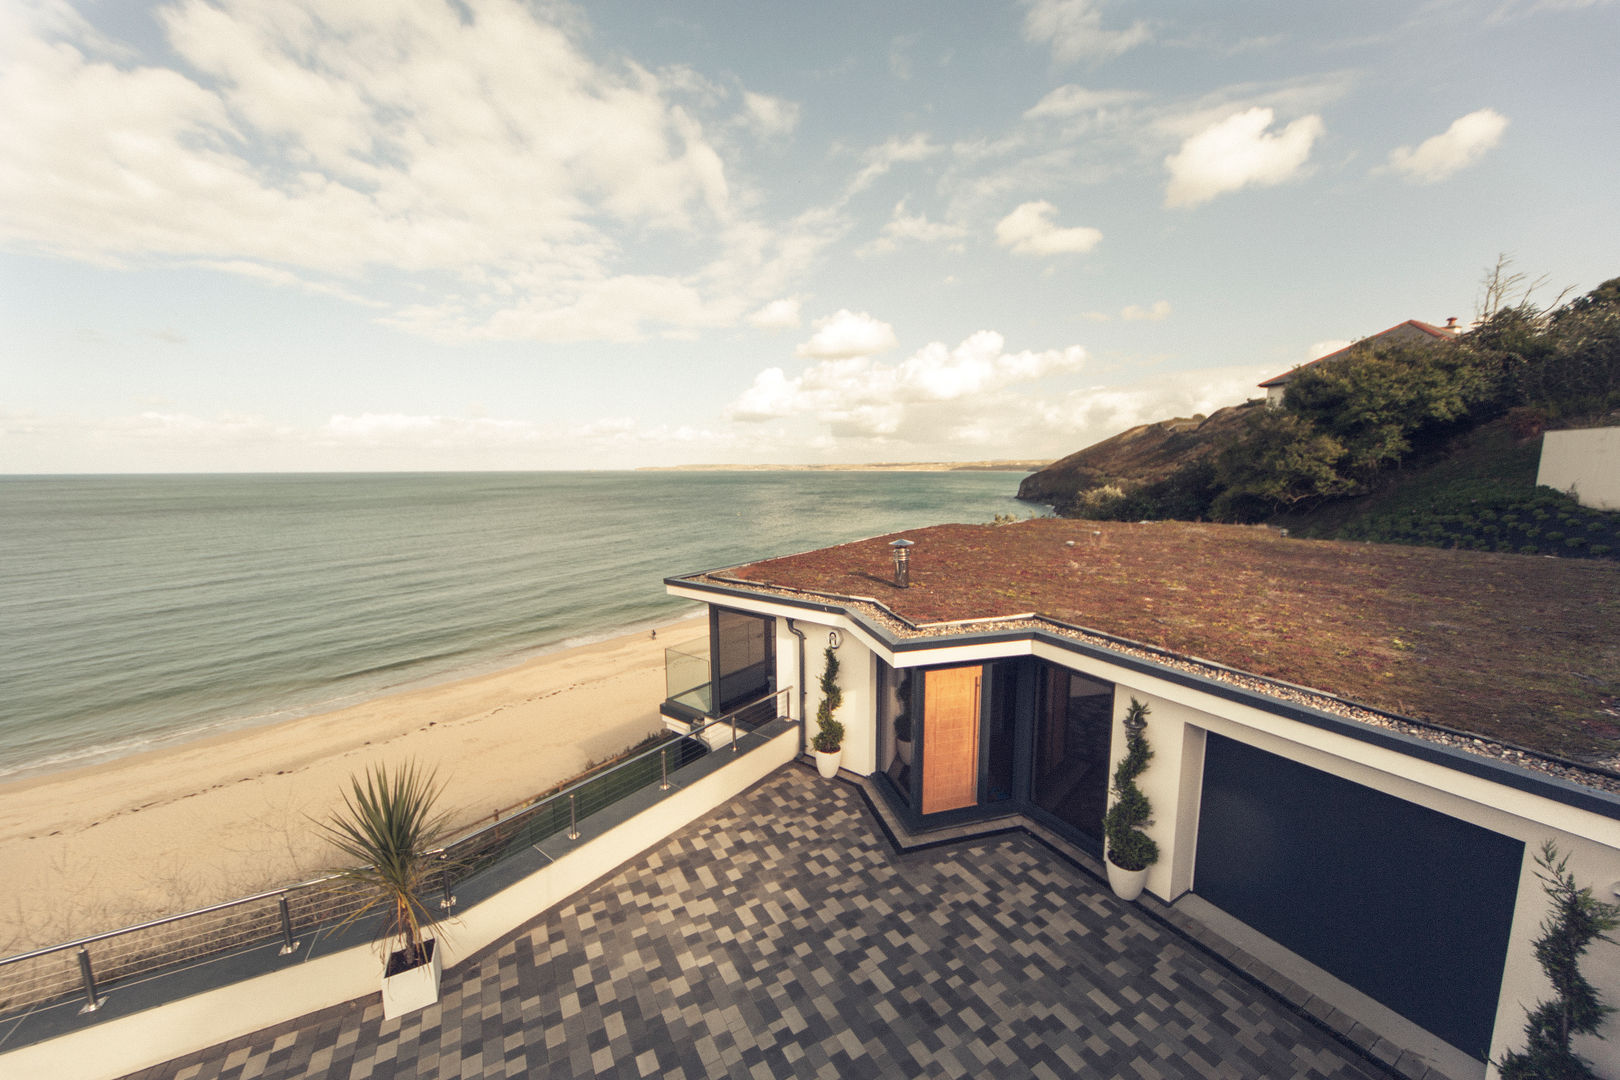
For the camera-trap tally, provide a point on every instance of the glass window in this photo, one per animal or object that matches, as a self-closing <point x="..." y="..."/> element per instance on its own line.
<point x="999" y="731"/>
<point x="895" y="725"/>
<point x="1073" y="724"/>
<point x="744" y="657"/>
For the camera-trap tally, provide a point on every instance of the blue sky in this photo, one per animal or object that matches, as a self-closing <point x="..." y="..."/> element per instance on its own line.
<point x="482" y="234"/>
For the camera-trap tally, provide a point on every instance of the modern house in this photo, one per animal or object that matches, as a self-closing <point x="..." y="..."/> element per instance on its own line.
<point x="1358" y="750"/>
<point x="1410" y="332"/>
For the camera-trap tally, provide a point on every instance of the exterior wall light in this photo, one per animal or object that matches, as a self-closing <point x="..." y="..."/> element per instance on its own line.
<point x="834" y="639"/>
<point x="902" y="562"/>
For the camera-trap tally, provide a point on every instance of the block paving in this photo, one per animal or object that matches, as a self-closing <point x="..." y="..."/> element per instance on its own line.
<point x="785" y="936"/>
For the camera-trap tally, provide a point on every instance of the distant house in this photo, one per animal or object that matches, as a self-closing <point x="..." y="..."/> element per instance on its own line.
<point x="1410" y="332"/>
<point x="1388" y="860"/>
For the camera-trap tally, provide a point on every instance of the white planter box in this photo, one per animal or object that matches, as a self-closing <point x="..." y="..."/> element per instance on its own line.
<point x="415" y="988"/>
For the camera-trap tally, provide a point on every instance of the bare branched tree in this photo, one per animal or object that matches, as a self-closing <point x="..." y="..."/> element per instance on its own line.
<point x="1501" y="283"/>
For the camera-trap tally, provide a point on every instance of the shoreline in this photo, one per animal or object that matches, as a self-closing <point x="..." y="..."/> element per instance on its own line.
<point x="96" y="755"/>
<point x="94" y="847"/>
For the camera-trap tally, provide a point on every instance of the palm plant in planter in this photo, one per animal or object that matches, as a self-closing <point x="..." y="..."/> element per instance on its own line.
<point x="390" y="830"/>
<point x="1130" y="850"/>
<point x="829" y="739"/>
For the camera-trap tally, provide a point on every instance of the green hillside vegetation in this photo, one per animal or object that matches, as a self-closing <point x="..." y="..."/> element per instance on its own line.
<point x="1481" y="496"/>
<point x="1432" y="444"/>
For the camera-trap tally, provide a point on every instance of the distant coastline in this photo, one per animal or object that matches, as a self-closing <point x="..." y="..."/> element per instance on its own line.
<point x="882" y="466"/>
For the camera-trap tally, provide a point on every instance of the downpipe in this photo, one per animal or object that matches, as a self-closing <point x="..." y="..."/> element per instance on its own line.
<point x="796" y="632"/>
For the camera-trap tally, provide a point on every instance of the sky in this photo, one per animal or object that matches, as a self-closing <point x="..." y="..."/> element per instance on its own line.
<point x="360" y="235"/>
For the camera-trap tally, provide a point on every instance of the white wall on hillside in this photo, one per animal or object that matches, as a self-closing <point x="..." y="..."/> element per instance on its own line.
<point x="1585" y="463"/>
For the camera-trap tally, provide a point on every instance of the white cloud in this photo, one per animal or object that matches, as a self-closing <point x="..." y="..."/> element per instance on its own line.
<point x="274" y="275"/>
<point x="902" y="227"/>
<point x="1515" y="9"/>
<point x="1083" y="417"/>
<point x="1460" y="145"/>
<point x="1074" y="30"/>
<point x="1135" y="313"/>
<point x="845" y="334"/>
<point x="855" y="396"/>
<point x="777" y="315"/>
<point x="371" y="144"/>
<point x="770" y="116"/>
<point x="894" y="151"/>
<point x="1238" y="152"/>
<point x="1029" y="230"/>
<point x="406" y="430"/>
<point x="922" y="410"/>
<point x="1072" y="100"/>
<point x="169" y="440"/>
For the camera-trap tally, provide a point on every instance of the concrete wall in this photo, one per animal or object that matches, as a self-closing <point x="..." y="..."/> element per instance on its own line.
<point x="1585" y="463"/>
<point x="138" y="1041"/>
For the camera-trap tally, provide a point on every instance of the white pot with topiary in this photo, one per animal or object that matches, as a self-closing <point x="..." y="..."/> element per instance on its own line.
<point x="1130" y="851"/>
<point x="829" y="739"/>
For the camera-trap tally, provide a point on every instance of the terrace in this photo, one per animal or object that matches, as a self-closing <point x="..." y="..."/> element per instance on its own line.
<point x="783" y="934"/>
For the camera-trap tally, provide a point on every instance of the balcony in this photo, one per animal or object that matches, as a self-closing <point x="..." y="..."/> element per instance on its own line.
<point x="688" y="686"/>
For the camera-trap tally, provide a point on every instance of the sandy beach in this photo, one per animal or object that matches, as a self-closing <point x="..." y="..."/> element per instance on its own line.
<point x="101" y="847"/>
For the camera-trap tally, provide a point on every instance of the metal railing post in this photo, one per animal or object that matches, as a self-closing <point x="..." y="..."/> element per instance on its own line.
<point x="733" y="734"/>
<point x="288" y="945"/>
<point x="573" y="820"/>
<point x="92" y="1001"/>
<point x="663" y="769"/>
<point x="448" y="900"/>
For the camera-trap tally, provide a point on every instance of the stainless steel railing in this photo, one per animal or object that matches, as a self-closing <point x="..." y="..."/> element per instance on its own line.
<point x="284" y="918"/>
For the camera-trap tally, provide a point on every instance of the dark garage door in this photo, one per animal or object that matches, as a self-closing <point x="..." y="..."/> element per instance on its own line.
<point x="1409" y="906"/>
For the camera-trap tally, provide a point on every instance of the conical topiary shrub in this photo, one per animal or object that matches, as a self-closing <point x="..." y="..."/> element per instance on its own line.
<point x="829" y="732"/>
<point x="1129" y="848"/>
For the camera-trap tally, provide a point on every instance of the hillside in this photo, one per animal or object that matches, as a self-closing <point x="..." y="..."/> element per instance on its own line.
<point x="1142" y="455"/>
<point x="1479" y="493"/>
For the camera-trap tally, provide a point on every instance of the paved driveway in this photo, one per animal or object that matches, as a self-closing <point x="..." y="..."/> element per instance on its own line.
<point x="785" y="937"/>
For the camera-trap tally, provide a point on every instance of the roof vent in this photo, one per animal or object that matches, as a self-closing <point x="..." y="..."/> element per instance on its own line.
<point x="902" y="562"/>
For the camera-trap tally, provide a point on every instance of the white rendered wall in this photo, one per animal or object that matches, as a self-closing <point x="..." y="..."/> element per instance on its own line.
<point x="1585" y="463"/>
<point x="857" y="678"/>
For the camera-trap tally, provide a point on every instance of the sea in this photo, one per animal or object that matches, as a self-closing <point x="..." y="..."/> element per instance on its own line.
<point x="140" y="611"/>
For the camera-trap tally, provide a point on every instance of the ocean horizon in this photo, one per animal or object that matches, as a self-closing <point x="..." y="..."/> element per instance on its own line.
<point x="139" y="611"/>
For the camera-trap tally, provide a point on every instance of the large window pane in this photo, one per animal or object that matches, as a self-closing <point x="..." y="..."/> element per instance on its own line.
<point x="744" y="657"/>
<point x="895" y="725"/>
<point x="999" y="731"/>
<point x="1074" y="717"/>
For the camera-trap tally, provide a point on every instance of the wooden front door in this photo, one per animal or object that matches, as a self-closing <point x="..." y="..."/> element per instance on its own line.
<point x="950" y="773"/>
